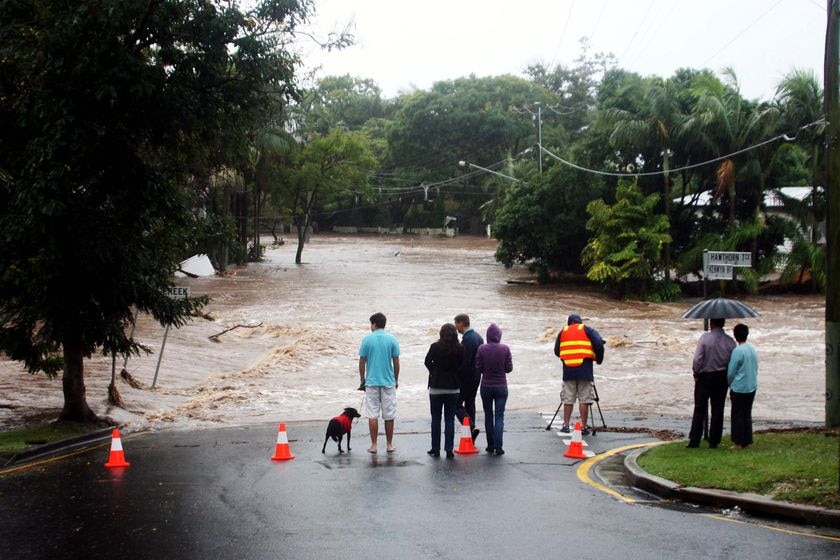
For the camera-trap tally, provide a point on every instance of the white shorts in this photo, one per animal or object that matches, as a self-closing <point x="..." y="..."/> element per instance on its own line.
<point x="577" y="389"/>
<point x="381" y="401"/>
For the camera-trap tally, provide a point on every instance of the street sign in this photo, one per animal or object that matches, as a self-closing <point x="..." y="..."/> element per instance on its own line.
<point x="718" y="272"/>
<point x="733" y="258"/>
<point x="178" y="292"/>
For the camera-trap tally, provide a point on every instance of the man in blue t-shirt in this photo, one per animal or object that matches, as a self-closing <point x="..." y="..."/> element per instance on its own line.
<point x="379" y="369"/>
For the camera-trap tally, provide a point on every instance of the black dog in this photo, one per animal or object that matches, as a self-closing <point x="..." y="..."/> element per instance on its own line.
<point x="340" y="425"/>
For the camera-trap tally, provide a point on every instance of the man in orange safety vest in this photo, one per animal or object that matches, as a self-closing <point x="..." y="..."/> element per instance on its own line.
<point x="578" y="347"/>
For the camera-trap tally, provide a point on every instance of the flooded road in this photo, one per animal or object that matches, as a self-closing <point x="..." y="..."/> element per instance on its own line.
<point x="301" y="363"/>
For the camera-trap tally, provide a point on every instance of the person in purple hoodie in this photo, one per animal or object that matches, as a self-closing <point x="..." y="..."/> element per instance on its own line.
<point x="493" y="362"/>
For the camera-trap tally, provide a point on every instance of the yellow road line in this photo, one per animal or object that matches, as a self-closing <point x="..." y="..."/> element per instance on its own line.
<point x="586" y="466"/>
<point x="52" y="459"/>
<point x="778" y="529"/>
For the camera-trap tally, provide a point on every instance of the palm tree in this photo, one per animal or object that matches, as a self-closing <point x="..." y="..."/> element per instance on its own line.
<point x="658" y="125"/>
<point x="800" y="98"/>
<point x="726" y="123"/>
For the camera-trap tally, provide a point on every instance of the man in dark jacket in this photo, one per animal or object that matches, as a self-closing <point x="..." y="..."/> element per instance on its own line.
<point x="468" y="378"/>
<point x="578" y="346"/>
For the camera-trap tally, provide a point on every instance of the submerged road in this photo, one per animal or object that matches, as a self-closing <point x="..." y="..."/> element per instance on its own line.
<point x="215" y="494"/>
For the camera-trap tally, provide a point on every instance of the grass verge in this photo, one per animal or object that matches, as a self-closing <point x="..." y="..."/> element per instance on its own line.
<point x="800" y="467"/>
<point x="19" y="439"/>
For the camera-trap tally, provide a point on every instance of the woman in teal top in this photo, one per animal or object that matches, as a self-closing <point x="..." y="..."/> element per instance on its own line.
<point x="743" y="383"/>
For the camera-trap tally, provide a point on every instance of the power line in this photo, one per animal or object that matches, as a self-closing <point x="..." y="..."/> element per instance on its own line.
<point x="416" y="189"/>
<point x="639" y="28"/>
<point x="692" y="166"/>
<point x="598" y="22"/>
<point x="562" y="34"/>
<point x="738" y="36"/>
<point x="655" y="34"/>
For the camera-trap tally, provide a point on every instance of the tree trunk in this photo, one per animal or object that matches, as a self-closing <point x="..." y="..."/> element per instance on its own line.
<point x="301" y="239"/>
<point x="76" y="408"/>
<point x="307" y="220"/>
<point x="223" y="258"/>
<point x="759" y="198"/>
<point x="255" y="256"/>
<point x="732" y="201"/>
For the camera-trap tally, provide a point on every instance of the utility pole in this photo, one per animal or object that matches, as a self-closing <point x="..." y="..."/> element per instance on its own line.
<point x="832" y="237"/>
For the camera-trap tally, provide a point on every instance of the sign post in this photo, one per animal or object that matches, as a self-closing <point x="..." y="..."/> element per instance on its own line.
<point x="175" y="292"/>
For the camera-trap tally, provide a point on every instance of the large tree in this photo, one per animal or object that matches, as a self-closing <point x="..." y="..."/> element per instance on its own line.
<point x="109" y="109"/>
<point x="342" y="101"/>
<point x="319" y="172"/>
<point x="468" y="119"/>
<point x="542" y="222"/>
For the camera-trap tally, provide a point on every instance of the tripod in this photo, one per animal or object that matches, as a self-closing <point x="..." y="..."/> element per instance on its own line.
<point x="597" y="403"/>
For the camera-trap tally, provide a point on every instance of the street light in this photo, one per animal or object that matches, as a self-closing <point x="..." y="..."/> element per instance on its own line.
<point x="463" y="163"/>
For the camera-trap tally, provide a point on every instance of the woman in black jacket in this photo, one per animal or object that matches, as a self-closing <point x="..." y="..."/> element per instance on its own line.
<point x="443" y="360"/>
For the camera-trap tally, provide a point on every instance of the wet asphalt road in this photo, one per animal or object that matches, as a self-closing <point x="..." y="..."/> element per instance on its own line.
<point x="215" y="494"/>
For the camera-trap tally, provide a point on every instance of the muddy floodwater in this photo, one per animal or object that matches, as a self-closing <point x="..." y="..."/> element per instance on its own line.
<point x="301" y="362"/>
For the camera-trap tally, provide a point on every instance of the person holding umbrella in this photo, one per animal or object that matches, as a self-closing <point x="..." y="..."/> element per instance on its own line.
<point x="710" y="365"/>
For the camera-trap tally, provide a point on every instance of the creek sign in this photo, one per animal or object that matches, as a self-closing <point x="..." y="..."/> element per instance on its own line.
<point x="178" y="292"/>
<point x="174" y="292"/>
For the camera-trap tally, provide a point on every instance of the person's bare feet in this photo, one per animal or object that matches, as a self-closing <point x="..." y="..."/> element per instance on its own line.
<point x="391" y="449"/>
<point x="372" y="450"/>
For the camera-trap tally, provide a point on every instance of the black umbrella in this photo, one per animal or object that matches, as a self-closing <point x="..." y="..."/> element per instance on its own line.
<point x="720" y="308"/>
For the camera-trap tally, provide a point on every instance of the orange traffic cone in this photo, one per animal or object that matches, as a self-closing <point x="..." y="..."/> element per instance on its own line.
<point x="281" y="450"/>
<point x="466" y="446"/>
<point x="117" y="458"/>
<point x="575" y="450"/>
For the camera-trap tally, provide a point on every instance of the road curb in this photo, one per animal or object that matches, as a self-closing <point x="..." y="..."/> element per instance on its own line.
<point x="751" y="503"/>
<point x="59" y="447"/>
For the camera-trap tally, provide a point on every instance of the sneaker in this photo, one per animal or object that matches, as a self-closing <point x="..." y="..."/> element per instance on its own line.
<point x="565" y="429"/>
<point x="450" y="454"/>
<point x="500" y="451"/>
<point x="585" y="431"/>
<point x="475" y="433"/>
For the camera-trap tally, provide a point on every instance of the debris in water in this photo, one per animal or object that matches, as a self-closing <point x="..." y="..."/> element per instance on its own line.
<point x="215" y="337"/>
<point x="114" y="396"/>
<point x="130" y="379"/>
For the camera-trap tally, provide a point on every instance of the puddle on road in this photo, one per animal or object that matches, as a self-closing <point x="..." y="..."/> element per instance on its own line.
<point x="373" y="463"/>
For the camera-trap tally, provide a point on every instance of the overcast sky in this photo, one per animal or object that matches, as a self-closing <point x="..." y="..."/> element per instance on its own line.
<point x="404" y="44"/>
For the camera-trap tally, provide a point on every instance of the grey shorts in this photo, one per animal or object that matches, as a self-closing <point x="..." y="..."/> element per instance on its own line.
<point x="381" y="401"/>
<point x="577" y="389"/>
